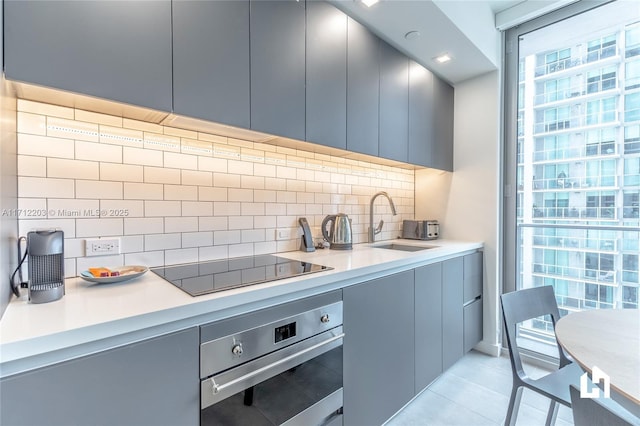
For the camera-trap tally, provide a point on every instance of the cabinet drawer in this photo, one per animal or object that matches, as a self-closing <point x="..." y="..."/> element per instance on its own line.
<point x="472" y="324"/>
<point x="472" y="276"/>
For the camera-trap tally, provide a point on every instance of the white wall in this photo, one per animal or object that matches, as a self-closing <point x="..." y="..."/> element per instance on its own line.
<point x="466" y="202"/>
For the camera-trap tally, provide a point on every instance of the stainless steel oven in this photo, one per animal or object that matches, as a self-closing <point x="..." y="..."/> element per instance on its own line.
<point x="277" y="366"/>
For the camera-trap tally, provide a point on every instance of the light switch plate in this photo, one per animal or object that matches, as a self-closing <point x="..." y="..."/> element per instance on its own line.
<point x="102" y="246"/>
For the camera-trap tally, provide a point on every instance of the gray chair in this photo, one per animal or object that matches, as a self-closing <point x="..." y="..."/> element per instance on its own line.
<point x="520" y="306"/>
<point x="596" y="412"/>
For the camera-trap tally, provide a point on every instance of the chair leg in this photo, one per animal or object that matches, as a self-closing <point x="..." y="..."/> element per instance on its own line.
<point x="514" y="406"/>
<point x="552" y="414"/>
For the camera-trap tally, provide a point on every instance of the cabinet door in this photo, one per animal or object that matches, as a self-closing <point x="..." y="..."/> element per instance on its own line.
<point x="442" y="150"/>
<point x="421" y="111"/>
<point x="211" y="60"/>
<point x="452" y="313"/>
<point x="326" y="114"/>
<point x="472" y="276"/>
<point x="114" y="50"/>
<point x="472" y="324"/>
<point x="154" y="382"/>
<point x="428" y="320"/>
<point x="363" y="89"/>
<point x="378" y="348"/>
<point x="394" y="104"/>
<point x="278" y="67"/>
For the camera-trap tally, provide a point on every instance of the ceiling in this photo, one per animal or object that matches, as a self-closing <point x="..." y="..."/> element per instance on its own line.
<point x="465" y="29"/>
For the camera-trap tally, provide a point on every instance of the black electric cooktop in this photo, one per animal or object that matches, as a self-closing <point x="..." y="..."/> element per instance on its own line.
<point x="216" y="275"/>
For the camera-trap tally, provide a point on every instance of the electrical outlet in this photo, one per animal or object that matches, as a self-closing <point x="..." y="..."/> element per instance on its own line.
<point x="102" y="246"/>
<point x="283" y="234"/>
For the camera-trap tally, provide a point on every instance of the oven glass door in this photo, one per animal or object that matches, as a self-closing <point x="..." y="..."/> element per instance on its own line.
<point x="307" y="394"/>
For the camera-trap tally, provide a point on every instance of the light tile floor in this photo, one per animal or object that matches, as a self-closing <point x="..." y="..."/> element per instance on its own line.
<point x="475" y="392"/>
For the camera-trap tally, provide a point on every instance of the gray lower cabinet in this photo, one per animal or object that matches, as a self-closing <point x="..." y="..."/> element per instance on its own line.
<point x="114" y="50"/>
<point x="394" y="104"/>
<point x="363" y="89"/>
<point x="452" y="312"/>
<point x="428" y="324"/>
<point x="378" y="348"/>
<point x="154" y="382"/>
<point x="211" y="61"/>
<point x="472" y="296"/>
<point x="277" y="34"/>
<point x="326" y="88"/>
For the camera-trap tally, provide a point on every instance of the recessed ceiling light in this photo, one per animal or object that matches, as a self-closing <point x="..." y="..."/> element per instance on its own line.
<point x="442" y="58"/>
<point x="369" y="3"/>
<point x="412" y="35"/>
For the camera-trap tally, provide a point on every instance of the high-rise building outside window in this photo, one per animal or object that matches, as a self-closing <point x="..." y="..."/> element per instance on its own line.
<point x="578" y="162"/>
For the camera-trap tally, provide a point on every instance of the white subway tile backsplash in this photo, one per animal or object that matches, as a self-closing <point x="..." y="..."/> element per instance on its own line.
<point x="162" y="208"/>
<point x="174" y="257"/>
<point x="145" y="258"/>
<point x="31" y="208"/>
<point x="72" y="129"/>
<point x="99" y="190"/>
<point x="180" y="224"/>
<point x="34" y="124"/>
<point x="180" y="161"/>
<point x="72" y="169"/>
<point x="176" y="196"/>
<point x="197" y="239"/>
<point x="191" y="177"/>
<point x="143" y="226"/>
<point x="162" y="241"/>
<point x="121" y="172"/>
<point x="161" y="175"/>
<point x="29" y="165"/>
<point x="45" y="146"/>
<point x="143" y="157"/>
<point x="143" y="191"/>
<point x="99" y="227"/>
<point x="197" y="208"/>
<point x="181" y="192"/>
<point x="98" y="152"/>
<point x="37" y="187"/>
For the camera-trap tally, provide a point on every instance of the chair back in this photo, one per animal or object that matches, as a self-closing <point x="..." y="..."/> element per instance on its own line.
<point x="593" y="412"/>
<point x="522" y="305"/>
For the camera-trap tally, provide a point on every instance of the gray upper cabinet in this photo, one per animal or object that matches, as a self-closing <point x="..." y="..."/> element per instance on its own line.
<point x="394" y="104"/>
<point x="154" y="382"/>
<point x="115" y="50"/>
<point x="378" y="348"/>
<point x="421" y="108"/>
<point x="442" y="148"/>
<point x="211" y="61"/>
<point x="363" y="89"/>
<point x="278" y="67"/>
<point x="326" y="89"/>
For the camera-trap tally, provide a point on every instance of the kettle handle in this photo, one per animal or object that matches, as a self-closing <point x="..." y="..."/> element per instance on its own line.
<point x="331" y="218"/>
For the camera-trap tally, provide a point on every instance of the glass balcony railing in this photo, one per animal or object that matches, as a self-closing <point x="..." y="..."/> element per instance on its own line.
<point x="573" y="213"/>
<point x="597" y="182"/>
<point x="572" y="62"/>
<point x="590" y="150"/>
<point x="575" y="122"/>
<point x="576" y="92"/>
<point x="576" y="243"/>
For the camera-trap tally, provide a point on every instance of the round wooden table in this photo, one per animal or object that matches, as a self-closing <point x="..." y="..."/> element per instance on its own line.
<point x="610" y="340"/>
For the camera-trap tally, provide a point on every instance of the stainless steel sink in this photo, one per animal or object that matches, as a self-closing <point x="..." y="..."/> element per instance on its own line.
<point x="403" y="247"/>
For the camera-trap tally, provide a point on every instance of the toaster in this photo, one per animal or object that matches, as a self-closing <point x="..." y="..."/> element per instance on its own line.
<point x="420" y="229"/>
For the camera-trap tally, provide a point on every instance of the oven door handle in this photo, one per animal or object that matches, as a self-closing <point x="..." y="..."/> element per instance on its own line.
<point x="219" y="388"/>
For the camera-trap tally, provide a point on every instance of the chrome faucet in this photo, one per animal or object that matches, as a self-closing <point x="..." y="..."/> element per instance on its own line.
<point x="373" y="232"/>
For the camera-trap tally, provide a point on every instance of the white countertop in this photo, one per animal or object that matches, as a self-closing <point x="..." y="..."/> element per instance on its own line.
<point x="94" y="317"/>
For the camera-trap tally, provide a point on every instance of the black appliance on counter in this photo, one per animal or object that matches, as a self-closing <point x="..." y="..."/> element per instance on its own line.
<point x="217" y="275"/>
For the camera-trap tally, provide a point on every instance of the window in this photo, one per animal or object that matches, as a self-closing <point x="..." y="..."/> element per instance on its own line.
<point x="632" y="139"/>
<point x="601" y="111"/>
<point x="553" y="119"/>
<point x="601" y="48"/>
<point x="630" y="268"/>
<point x="603" y="79"/>
<point x="630" y="297"/>
<point x="601" y="173"/>
<point x="601" y="142"/>
<point x="632" y="73"/>
<point x="632" y="171"/>
<point x="552" y="148"/>
<point x="556" y="90"/>
<point x="631" y="200"/>
<point x="632" y="40"/>
<point x="632" y="107"/>
<point x="601" y="205"/>
<point x="556" y="61"/>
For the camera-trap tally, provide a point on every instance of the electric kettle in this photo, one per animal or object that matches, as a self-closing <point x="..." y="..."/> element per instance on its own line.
<point x="339" y="234"/>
